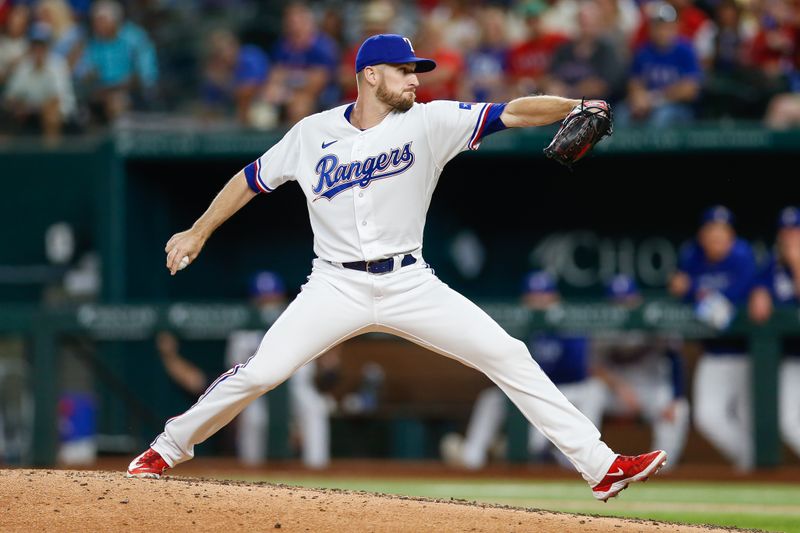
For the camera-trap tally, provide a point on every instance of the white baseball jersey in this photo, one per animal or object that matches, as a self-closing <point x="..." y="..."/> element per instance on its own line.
<point x="368" y="191"/>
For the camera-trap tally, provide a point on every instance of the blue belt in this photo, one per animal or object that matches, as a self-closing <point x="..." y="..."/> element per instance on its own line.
<point x="381" y="266"/>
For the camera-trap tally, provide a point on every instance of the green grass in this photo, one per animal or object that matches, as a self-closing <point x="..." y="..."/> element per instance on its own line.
<point x="769" y="507"/>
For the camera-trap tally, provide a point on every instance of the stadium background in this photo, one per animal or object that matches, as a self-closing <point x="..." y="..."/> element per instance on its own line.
<point x="123" y="188"/>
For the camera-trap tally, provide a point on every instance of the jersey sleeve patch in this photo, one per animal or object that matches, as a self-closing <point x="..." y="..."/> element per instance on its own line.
<point x="252" y="173"/>
<point x="488" y="122"/>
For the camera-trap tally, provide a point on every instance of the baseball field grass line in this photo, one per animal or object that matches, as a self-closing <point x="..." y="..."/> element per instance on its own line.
<point x="770" y="507"/>
<point x="675" y="507"/>
<point x="662" y="492"/>
<point x="621" y="508"/>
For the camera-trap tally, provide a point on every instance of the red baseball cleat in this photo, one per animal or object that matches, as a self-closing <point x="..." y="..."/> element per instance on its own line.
<point x="628" y="469"/>
<point x="149" y="464"/>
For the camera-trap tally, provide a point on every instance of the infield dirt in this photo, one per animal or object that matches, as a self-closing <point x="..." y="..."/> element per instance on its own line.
<point x="63" y="500"/>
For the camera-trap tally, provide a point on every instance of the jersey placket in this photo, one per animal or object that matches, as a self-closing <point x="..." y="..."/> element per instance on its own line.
<point x="363" y="206"/>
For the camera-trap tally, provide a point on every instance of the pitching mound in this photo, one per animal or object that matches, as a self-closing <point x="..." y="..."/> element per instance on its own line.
<point x="58" y="500"/>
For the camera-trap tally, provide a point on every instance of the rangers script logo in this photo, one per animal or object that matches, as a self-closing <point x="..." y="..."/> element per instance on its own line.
<point x="335" y="177"/>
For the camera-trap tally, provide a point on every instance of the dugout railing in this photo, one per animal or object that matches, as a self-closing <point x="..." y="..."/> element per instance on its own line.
<point x="44" y="327"/>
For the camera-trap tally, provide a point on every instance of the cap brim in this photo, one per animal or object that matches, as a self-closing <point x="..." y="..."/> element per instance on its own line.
<point x="423" y="64"/>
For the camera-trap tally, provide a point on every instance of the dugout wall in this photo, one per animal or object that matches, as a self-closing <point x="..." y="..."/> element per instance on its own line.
<point x="496" y="214"/>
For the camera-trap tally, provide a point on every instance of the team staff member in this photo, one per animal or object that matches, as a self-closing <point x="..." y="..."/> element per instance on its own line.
<point x="644" y="374"/>
<point x="716" y="272"/>
<point x="778" y="285"/>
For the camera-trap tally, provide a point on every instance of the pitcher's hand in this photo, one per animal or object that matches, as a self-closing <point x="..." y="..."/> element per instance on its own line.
<point x="184" y="244"/>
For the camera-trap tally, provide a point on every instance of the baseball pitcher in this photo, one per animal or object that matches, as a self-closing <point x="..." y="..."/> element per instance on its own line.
<point x="368" y="170"/>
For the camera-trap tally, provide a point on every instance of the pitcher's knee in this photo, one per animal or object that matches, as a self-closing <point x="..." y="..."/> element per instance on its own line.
<point x="263" y="380"/>
<point x="510" y="349"/>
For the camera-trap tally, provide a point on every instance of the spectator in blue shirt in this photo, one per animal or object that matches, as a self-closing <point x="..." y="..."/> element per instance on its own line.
<point x="716" y="273"/>
<point x="233" y="75"/>
<point x="665" y="76"/>
<point x="119" y="62"/>
<point x="778" y="285"/>
<point x="68" y="36"/>
<point x="487" y="64"/>
<point x="303" y="77"/>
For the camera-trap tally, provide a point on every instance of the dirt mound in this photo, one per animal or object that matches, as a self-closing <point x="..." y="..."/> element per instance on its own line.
<point x="60" y="500"/>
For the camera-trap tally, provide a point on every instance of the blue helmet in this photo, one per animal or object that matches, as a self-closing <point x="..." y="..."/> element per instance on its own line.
<point x="539" y="282"/>
<point x="717" y="213"/>
<point x="266" y="283"/>
<point x="789" y="217"/>
<point x="621" y="286"/>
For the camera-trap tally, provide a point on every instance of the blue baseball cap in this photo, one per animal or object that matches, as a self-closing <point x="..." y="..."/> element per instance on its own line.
<point x="717" y="213"/>
<point x="390" y="48"/>
<point x="539" y="282"/>
<point x="621" y="286"/>
<point x="266" y="283"/>
<point x="789" y="217"/>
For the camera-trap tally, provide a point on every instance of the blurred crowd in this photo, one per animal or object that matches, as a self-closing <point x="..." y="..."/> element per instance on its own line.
<point x="71" y="65"/>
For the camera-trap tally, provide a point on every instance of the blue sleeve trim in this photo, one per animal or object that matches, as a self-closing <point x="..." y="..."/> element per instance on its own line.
<point x="488" y="122"/>
<point x="252" y="174"/>
<point x="493" y="122"/>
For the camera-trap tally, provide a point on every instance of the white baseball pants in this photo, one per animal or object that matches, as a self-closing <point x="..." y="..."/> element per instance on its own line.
<point x="309" y="409"/>
<point x="588" y="396"/>
<point x="411" y="302"/>
<point x="789" y="402"/>
<point x="654" y="397"/>
<point x="311" y="415"/>
<point x="491" y="408"/>
<point x="723" y="407"/>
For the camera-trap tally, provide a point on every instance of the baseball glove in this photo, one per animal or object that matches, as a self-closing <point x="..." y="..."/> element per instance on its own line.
<point x="584" y="127"/>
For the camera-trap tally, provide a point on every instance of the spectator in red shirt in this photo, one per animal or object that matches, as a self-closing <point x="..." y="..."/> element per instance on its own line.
<point x="13" y="40"/>
<point x="5" y="8"/>
<point x="776" y="53"/>
<point x="529" y="61"/>
<point x="774" y="50"/>
<point x="442" y="83"/>
<point x="376" y="18"/>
